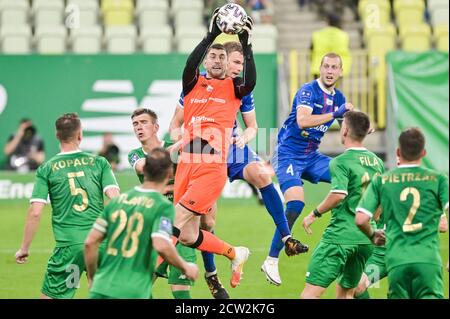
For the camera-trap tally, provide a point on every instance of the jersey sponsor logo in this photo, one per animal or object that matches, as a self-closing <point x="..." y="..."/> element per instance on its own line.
<point x="165" y="225"/>
<point x="198" y="101"/>
<point x="196" y="119"/>
<point x="134" y="158"/>
<point x="321" y="128"/>
<point x="209" y="88"/>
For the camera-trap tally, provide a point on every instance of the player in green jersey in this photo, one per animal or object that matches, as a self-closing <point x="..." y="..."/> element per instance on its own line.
<point x="145" y="126"/>
<point x="375" y="269"/>
<point x="412" y="199"/>
<point x="136" y="226"/>
<point x="74" y="181"/>
<point x="343" y="251"/>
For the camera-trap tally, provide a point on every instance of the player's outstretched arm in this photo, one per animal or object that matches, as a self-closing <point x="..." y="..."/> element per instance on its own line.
<point x="167" y="251"/>
<point x="331" y="201"/>
<point x="91" y="245"/>
<point x="305" y="118"/>
<point x="176" y="124"/>
<point x="191" y="72"/>
<point x="31" y="225"/>
<point x="244" y="86"/>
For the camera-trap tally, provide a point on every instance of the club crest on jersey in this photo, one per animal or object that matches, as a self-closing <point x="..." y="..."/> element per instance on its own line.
<point x="165" y="225"/>
<point x="209" y="88"/>
<point x="304" y="134"/>
<point x="306" y="93"/>
<point x="134" y="158"/>
<point x="329" y="102"/>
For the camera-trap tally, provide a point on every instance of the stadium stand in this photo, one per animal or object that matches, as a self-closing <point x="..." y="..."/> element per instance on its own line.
<point x="13" y="12"/>
<point x="152" y="13"/>
<point x="87" y="10"/>
<point x="416" y="38"/>
<point x="51" y="39"/>
<point x="441" y="37"/>
<point x="15" y="39"/>
<point x="120" y="39"/>
<point x="117" y="12"/>
<point x="86" y="40"/>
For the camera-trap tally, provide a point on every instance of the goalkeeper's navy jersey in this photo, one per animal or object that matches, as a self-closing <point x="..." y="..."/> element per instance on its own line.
<point x="296" y="141"/>
<point x="247" y="105"/>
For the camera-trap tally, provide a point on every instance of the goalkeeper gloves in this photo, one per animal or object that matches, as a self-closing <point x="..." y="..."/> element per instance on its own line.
<point x="245" y="37"/>
<point x="213" y="28"/>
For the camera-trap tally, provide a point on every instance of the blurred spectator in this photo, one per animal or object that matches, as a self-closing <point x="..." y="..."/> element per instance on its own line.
<point x="110" y="151"/>
<point x="330" y="39"/>
<point x="25" y="149"/>
<point x="261" y="10"/>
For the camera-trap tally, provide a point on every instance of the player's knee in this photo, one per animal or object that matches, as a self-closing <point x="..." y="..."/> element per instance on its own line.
<point x="187" y="238"/>
<point x="208" y="224"/>
<point x="257" y="175"/>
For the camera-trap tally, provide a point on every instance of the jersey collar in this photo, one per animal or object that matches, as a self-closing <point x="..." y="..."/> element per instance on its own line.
<point x="145" y="190"/>
<point x="71" y="152"/>
<point x="356" y="149"/>
<point x="162" y="145"/>
<point x="324" y="89"/>
<point x="408" y="165"/>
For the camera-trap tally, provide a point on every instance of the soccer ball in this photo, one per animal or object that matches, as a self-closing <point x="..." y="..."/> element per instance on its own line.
<point x="231" y="18"/>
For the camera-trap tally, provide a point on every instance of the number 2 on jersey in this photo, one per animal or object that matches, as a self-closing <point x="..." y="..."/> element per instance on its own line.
<point x="132" y="233"/>
<point x="408" y="226"/>
<point x="78" y="191"/>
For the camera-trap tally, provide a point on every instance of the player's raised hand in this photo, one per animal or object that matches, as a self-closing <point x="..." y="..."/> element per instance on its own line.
<point x="191" y="271"/>
<point x="307" y="222"/>
<point x="339" y="113"/>
<point x="213" y="28"/>
<point x="21" y="256"/>
<point x="245" y="36"/>
<point x="378" y="238"/>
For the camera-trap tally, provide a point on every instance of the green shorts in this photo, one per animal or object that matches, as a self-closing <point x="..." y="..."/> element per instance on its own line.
<point x="64" y="270"/>
<point x="344" y="263"/>
<point x="376" y="266"/>
<point x="416" y="281"/>
<point x="94" y="295"/>
<point x="176" y="277"/>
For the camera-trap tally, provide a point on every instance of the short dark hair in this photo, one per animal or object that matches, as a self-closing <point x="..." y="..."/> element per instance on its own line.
<point x="158" y="165"/>
<point x="331" y="55"/>
<point x="411" y="143"/>
<point x="333" y="20"/>
<point x="216" y="46"/>
<point x="233" y="46"/>
<point x="67" y="125"/>
<point x="142" y="110"/>
<point x="358" y="124"/>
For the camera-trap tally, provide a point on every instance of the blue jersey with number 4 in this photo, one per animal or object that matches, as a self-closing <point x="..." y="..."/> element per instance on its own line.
<point x="292" y="140"/>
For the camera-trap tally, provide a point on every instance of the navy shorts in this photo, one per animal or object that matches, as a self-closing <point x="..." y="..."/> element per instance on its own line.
<point x="238" y="158"/>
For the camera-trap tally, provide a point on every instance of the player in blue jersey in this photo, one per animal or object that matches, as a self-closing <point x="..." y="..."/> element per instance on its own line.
<point x="315" y="107"/>
<point x="242" y="163"/>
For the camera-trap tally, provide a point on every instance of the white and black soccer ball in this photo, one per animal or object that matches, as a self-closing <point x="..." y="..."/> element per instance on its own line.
<point x="231" y="18"/>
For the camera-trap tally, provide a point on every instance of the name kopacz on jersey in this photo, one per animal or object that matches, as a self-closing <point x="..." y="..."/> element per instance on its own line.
<point x="82" y="161"/>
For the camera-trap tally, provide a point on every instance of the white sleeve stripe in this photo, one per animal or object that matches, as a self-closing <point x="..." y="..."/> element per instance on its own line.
<point x="303" y="105"/>
<point x="134" y="165"/>
<point x="110" y="186"/>
<point x="159" y="235"/>
<point x="38" y="200"/>
<point x="181" y="106"/>
<point x="446" y="206"/>
<point x="100" y="228"/>
<point x="340" y="191"/>
<point x="364" y="211"/>
<point x="253" y="110"/>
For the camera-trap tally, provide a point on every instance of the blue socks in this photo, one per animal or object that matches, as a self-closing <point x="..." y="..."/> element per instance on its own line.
<point x="208" y="260"/>
<point x="274" y="206"/>
<point x="293" y="210"/>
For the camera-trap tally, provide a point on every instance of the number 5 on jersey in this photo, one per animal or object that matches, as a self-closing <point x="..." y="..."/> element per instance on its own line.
<point x="78" y="191"/>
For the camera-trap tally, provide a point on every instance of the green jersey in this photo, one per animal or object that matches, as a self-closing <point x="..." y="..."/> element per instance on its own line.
<point x="139" y="154"/>
<point x="129" y="223"/>
<point x="412" y="199"/>
<point x="351" y="172"/>
<point x="74" y="182"/>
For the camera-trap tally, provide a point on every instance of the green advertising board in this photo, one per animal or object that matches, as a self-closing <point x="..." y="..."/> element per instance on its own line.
<point x="418" y="96"/>
<point x="104" y="90"/>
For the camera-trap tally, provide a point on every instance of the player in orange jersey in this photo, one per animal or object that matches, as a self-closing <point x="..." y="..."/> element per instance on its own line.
<point x="211" y="103"/>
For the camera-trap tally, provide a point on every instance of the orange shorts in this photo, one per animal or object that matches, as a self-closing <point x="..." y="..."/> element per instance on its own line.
<point x="199" y="185"/>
